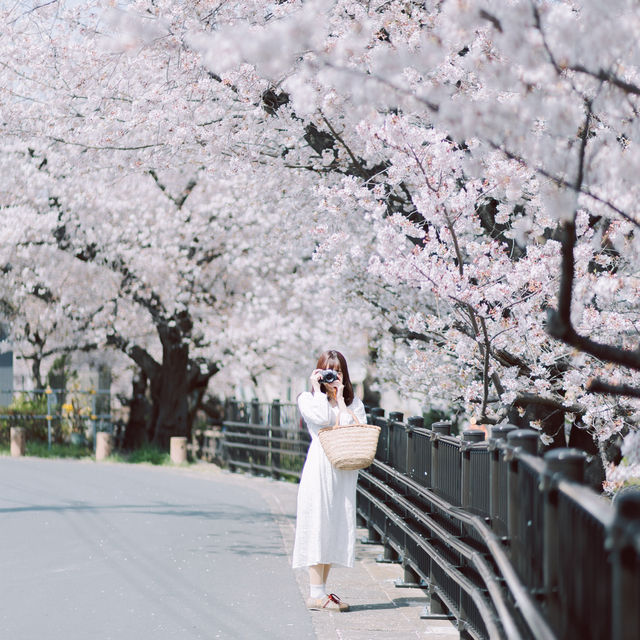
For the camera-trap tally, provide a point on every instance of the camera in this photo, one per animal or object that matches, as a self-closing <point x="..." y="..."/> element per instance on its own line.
<point x="328" y="375"/>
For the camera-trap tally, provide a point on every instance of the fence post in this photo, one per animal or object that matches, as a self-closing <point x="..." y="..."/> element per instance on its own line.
<point x="394" y="422"/>
<point x="255" y="411"/>
<point x="437" y="428"/>
<point x="518" y="439"/>
<point x="377" y="413"/>
<point x="274" y="458"/>
<point x="568" y="464"/>
<point x="498" y="434"/>
<point x="524" y="439"/>
<point x="469" y="436"/>
<point x="413" y="422"/>
<point x="48" y="391"/>
<point x="622" y="538"/>
<point x="390" y="555"/>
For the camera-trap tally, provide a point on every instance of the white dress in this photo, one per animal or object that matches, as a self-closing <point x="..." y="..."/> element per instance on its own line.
<point x="326" y="516"/>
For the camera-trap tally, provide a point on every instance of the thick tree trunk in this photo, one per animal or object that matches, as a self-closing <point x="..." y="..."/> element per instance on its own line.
<point x="36" y="372"/>
<point x="177" y="384"/>
<point x="169" y="394"/>
<point x="137" y="430"/>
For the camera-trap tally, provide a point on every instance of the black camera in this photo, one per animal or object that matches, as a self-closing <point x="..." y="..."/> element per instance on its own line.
<point x="328" y="375"/>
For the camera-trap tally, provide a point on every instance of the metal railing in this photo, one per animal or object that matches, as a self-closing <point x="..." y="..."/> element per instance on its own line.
<point x="511" y="544"/>
<point x="265" y="437"/>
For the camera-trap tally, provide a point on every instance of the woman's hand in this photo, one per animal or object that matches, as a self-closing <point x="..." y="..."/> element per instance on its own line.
<point x="335" y="392"/>
<point x="315" y="380"/>
<point x="340" y="395"/>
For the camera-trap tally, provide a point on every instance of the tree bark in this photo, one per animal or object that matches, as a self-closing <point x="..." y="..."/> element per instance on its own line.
<point x="136" y="433"/>
<point x="170" y="388"/>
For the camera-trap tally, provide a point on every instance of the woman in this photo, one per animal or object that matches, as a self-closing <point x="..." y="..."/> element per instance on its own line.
<point x="326" y="518"/>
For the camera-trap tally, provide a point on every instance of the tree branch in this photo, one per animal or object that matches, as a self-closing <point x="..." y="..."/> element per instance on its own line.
<point x="530" y="398"/>
<point x="599" y="386"/>
<point x="559" y="323"/>
<point x="356" y="162"/>
<point x="180" y="200"/>
<point x="561" y="182"/>
<point x="607" y="76"/>
<point x="136" y="353"/>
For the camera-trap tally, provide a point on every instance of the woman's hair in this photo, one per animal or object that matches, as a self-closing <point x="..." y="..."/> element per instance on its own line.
<point x="335" y="360"/>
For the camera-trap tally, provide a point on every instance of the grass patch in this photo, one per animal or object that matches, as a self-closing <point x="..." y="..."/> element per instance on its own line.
<point x="41" y="450"/>
<point x="146" y="454"/>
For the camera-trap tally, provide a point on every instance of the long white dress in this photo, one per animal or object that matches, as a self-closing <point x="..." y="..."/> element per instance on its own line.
<point x="326" y="516"/>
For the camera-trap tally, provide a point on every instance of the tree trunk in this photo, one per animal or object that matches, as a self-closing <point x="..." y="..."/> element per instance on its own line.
<point x="137" y="430"/>
<point x="177" y="385"/>
<point x="169" y="393"/>
<point x="36" y="372"/>
<point x="551" y="421"/>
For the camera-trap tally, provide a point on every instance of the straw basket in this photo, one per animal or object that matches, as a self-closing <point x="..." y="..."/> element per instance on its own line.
<point x="350" y="446"/>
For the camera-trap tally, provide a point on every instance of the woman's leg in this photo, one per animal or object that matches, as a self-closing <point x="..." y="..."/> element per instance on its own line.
<point x="317" y="586"/>
<point x="316" y="574"/>
<point x="325" y="572"/>
<point x="318" y="597"/>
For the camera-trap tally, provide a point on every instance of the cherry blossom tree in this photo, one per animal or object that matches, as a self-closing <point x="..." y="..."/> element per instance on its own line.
<point x="180" y="247"/>
<point x="500" y="136"/>
<point x="462" y="175"/>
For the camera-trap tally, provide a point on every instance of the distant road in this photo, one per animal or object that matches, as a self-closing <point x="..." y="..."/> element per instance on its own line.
<point x="116" y="552"/>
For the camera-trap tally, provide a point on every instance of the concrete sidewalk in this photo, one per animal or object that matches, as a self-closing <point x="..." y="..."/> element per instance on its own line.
<point x="379" y="609"/>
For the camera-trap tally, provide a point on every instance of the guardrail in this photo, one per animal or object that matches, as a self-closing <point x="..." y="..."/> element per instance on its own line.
<point x="511" y="544"/>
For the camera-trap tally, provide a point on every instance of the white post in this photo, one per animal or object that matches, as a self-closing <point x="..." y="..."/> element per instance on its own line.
<point x="104" y="445"/>
<point x="18" y="441"/>
<point x="178" y="449"/>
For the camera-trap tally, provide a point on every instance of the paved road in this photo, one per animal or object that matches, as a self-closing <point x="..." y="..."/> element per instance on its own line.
<point x="110" y="551"/>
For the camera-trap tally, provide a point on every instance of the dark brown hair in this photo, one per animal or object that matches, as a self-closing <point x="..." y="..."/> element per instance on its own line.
<point x="335" y="360"/>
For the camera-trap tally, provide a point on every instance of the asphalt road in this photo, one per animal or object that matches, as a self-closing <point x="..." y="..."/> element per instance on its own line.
<point x="112" y="551"/>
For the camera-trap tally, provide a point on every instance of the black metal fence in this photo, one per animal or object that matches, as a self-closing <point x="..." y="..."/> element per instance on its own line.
<point x="511" y="544"/>
<point x="264" y="437"/>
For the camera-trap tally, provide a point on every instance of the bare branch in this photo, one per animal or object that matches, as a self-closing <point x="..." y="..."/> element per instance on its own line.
<point x="107" y="147"/>
<point x="179" y="200"/>
<point x="356" y="162"/>
<point x="559" y="321"/>
<point x="492" y="19"/>
<point x="608" y="76"/>
<point x="530" y="398"/>
<point x="599" y="386"/>
<point x="136" y="353"/>
<point x="561" y="182"/>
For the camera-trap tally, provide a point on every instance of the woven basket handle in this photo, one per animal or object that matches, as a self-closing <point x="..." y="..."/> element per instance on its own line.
<point x="353" y="415"/>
